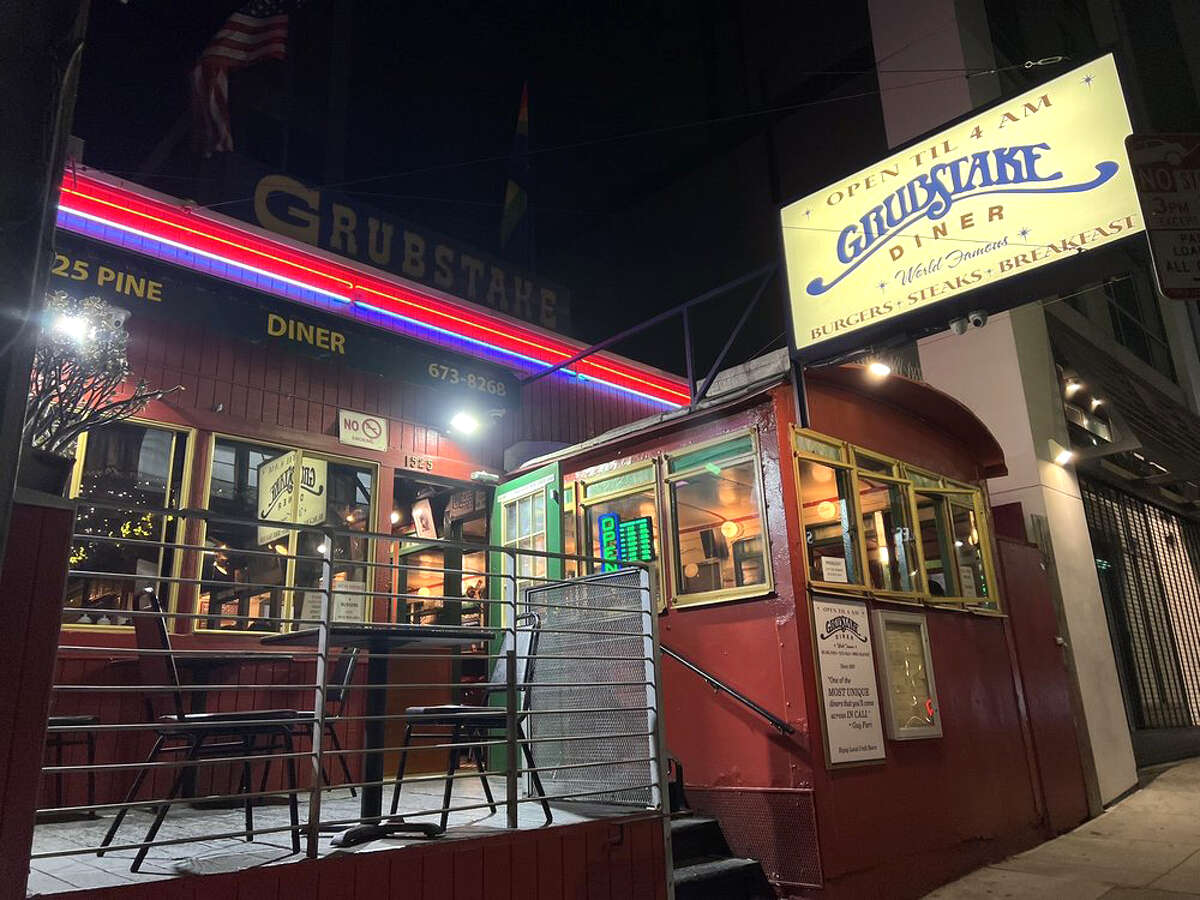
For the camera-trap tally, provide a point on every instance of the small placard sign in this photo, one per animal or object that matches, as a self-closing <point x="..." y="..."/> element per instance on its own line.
<point x="362" y="430"/>
<point x="853" y="729"/>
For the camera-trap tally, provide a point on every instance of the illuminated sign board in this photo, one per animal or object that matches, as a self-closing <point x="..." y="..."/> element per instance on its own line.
<point x="610" y="539"/>
<point x="637" y="539"/>
<point x="1033" y="180"/>
<point x="628" y="541"/>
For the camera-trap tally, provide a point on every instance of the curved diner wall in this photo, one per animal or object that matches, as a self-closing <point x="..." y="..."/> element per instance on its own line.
<point x="933" y="808"/>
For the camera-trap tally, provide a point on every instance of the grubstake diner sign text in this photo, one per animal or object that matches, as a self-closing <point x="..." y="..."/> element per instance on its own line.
<point x="1029" y="181"/>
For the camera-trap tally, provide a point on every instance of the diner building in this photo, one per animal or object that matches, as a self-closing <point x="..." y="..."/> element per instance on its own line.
<point x="847" y="643"/>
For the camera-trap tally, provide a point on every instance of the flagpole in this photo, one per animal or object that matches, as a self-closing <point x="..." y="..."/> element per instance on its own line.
<point x="529" y="192"/>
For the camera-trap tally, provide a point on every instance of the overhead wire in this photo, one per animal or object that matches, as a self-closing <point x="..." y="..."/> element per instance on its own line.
<point x="659" y="130"/>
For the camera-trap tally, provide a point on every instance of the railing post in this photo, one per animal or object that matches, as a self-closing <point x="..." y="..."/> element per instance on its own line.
<point x="510" y="699"/>
<point x="318" y="728"/>
<point x="660" y="786"/>
<point x="510" y="723"/>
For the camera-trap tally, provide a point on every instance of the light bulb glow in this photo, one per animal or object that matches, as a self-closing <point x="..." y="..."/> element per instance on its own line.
<point x="730" y="529"/>
<point x="879" y="369"/>
<point x="394" y="517"/>
<point x="464" y="422"/>
<point x="826" y="509"/>
<point x="73" y="327"/>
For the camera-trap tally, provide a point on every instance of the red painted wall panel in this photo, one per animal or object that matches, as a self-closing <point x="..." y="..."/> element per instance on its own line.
<point x="31" y="584"/>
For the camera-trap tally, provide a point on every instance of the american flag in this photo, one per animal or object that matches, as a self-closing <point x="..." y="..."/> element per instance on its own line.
<point x="257" y="31"/>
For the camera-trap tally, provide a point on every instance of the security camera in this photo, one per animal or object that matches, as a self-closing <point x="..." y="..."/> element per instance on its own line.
<point x="977" y="318"/>
<point x="958" y="326"/>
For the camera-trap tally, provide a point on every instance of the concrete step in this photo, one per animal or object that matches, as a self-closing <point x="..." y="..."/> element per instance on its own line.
<point x="727" y="878"/>
<point x="696" y="837"/>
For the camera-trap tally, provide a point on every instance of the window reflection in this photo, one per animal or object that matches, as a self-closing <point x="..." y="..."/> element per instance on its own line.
<point x="135" y="466"/>
<point x="247" y="571"/>
<point x="633" y="506"/>
<point x="936" y="544"/>
<point x="968" y="551"/>
<point x="891" y="558"/>
<point x="719" y="541"/>
<point x="829" y="527"/>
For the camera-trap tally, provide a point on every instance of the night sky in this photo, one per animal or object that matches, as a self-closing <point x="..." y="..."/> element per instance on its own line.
<point x="656" y="169"/>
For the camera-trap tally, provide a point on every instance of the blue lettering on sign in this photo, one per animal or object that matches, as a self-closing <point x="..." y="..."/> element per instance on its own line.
<point x="1002" y="170"/>
<point x="610" y="539"/>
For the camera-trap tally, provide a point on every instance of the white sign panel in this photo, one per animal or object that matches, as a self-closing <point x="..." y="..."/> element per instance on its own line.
<point x="280" y="501"/>
<point x="853" y="731"/>
<point x="833" y="568"/>
<point x="1166" y="168"/>
<point x="362" y="430"/>
<point x="1035" y="179"/>
<point x="349" y="603"/>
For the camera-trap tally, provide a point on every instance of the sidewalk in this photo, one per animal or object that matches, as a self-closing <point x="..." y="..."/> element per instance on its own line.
<point x="1146" y="846"/>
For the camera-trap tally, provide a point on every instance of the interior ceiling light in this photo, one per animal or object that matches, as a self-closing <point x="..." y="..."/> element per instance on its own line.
<point x="879" y="369"/>
<point x="730" y="529"/>
<point x="1096" y="402"/>
<point x="395" y="516"/>
<point x="1072" y="386"/>
<point x="464" y="422"/>
<point x="826" y="509"/>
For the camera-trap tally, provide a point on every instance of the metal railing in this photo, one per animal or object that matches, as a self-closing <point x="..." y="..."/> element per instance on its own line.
<point x="175" y="748"/>
<point x="717" y="685"/>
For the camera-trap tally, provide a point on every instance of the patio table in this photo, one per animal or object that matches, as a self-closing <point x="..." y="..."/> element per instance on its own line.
<point x="379" y="640"/>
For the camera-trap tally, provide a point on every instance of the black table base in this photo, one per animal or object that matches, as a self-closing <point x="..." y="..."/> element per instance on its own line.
<point x="361" y="834"/>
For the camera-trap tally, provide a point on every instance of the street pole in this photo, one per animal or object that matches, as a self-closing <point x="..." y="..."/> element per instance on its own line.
<point x="41" y="43"/>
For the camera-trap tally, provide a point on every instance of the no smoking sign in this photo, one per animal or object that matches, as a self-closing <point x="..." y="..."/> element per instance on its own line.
<point x="362" y="430"/>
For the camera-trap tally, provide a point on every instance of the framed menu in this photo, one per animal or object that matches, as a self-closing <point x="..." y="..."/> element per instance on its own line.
<point x="849" y="696"/>
<point x="910" y="703"/>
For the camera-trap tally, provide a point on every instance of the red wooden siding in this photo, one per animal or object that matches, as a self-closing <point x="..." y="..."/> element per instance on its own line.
<point x="31" y="584"/>
<point x="616" y="859"/>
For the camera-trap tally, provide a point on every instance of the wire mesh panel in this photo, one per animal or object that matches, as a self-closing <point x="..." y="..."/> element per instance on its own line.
<point x="593" y="677"/>
<point x="1148" y="562"/>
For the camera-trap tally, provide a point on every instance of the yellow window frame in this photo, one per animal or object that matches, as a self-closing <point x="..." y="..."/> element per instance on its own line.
<point x="799" y="456"/>
<point x="583" y="533"/>
<point x="289" y="578"/>
<point x="910" y="505"/>
<point x="753" y="456"/>
<point x="940" y="484"/>
<point x="185" y="485"/>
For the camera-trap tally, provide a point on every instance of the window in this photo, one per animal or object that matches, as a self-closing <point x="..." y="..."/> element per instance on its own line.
<point x="891" y="557"/>
<point x="718" y="539"/>
<point x="525" y="529"/>
<point x="132" y="465"/>
<point x="911" y="533"/>
<point x="622" y="505"/>
<point x="968" y="549"/>
<point x="935" y="538"/>
<point x="248" y="571"/>
<point x="830" y="526"/>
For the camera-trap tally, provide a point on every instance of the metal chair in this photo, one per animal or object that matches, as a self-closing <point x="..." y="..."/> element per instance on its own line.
<point x="59" y="740"/>
<point x="192" y="733"/>
<point x="471" y="724"/>
<point x="335" y="696"/>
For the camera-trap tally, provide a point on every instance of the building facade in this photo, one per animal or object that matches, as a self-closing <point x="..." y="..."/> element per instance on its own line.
<point x="1097" y="416"/>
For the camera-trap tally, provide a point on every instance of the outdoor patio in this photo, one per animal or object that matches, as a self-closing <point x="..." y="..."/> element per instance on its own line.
<point x="197" y="855"/>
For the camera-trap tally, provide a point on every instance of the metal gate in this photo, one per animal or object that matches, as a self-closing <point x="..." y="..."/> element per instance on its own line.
<point x="1148" y="563"/>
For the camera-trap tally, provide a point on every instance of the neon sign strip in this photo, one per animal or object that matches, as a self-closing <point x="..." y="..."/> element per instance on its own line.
<point x="91" y="206"/>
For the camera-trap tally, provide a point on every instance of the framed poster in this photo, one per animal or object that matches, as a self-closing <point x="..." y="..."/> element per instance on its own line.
<point x="910" y="695"/>
<point x="846" y="668"/>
